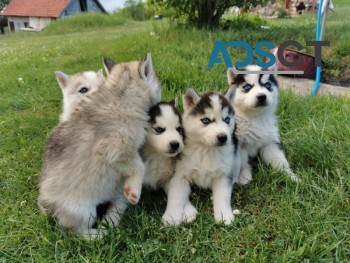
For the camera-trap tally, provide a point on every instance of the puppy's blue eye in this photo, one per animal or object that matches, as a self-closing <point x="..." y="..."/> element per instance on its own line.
<point x="267" y="85"/>
<point x="83" y="90"/>
<point x="227" y="120"/>
<point x="159" y="130"/>
<point x="247" y="87"/>
<point x="205" y="121"/>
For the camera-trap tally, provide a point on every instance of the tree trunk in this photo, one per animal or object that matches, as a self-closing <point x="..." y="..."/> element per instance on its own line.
<point x="209" y="14"/>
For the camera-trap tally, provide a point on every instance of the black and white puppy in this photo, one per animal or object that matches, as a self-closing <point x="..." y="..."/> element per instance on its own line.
<point x="255" y="105"/>
<point x="164" y="142"/>
<point x="207" y="159"/>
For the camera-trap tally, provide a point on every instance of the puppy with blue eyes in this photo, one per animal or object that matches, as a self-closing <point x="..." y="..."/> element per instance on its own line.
<point x="76" y="87"/>
<point x="255" y="105"/>
<point x="207" y="159"/>
<point x="164" y="143"/>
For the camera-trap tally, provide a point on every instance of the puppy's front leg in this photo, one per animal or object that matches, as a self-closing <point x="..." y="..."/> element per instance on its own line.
<point x="237" y="165"/>
<point x="245" y="175"/>
<point x="133" y="172"/>
<point x="178" y="196"/>
<point x="273" y="155"/>
<point x="222" y="189"/>
<point x="190" y="213"/>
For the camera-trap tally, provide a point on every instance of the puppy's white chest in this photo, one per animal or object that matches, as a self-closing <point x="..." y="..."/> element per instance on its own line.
<point x="204" y="178"/>
<point x="204" y="167"/>
<point x="254" y="135"/>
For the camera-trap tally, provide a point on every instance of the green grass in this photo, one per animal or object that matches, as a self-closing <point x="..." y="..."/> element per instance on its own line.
<point x="81" y="22"/>
<point x="280" y="221"/>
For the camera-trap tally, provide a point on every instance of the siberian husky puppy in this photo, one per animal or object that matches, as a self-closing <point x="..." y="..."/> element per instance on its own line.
<point x="207" y="159"/>
<point x="255" y="105"/>
<point x="76" y="87"/>
<point x="93" y="158"/>
<point x="164" y="143"/>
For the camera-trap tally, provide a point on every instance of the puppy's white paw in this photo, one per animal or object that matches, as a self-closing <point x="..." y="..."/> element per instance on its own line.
<point x="172" y="219"/>
<point x="245" y="177"/>
<point x="293" y="176"/>
<point x="224" y="216"/>
<point x="190" y="213"/>
<point x="94" y="234"/>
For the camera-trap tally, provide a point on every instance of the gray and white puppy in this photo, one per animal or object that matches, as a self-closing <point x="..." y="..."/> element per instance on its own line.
<point x="93" y="157"/>
<point x="75" y="88"/>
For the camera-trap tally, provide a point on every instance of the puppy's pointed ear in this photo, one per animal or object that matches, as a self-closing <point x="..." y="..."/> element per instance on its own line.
<point x="174" y="102"/>
<point x="108" y="64"/>
<point x="230" y="94"/>
<point x="274" y="68"/>
<point x="62" y="79"/>
<point x="230" y="76"/>
<point x="234" y="78"/>
<point x="100" y="73"/>
<point x="190" y="99"/>
<point x="146" y="69"/>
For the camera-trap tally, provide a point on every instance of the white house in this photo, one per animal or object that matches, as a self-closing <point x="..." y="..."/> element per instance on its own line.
<point x="37" y="14"/>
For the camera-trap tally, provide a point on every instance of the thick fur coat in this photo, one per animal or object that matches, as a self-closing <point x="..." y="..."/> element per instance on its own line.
<point x="255" y="105"/>
<point x="207" y="159"/>
<point x="75" y="88"/>
<point x="164" y="143"/>
<point x="93" y="157"/>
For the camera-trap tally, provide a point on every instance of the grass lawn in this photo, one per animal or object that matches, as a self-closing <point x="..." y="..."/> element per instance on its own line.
<point x="280" y="221"/>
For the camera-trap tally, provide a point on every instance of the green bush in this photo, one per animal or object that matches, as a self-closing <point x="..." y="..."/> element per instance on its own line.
<point x="242" y="21"/>
<point x="283" y="14"/>
<point x="203" y="13"/>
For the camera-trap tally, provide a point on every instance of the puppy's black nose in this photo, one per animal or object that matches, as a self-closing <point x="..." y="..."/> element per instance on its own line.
<point x="222" y="138"/>
<point x="174" y="145"/>
<point x="261" y="97"/>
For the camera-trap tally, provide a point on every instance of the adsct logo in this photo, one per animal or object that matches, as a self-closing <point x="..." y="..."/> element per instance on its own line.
<point x="220" y="48"/>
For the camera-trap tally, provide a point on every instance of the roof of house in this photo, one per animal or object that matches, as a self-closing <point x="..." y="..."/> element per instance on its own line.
<point x="37" y="8"/>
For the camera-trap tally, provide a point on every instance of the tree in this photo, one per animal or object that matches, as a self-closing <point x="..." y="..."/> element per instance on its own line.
<point x="3" y="3"/>
<point x="203" y="13"/>
<point x="136" y="9"/>
<point x="3" y="20"/>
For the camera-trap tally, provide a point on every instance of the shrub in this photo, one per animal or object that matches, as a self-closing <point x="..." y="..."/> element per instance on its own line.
<point x="283" y="14"/>
<point x="203" y="13"/>
<point x="242" y="21"/>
